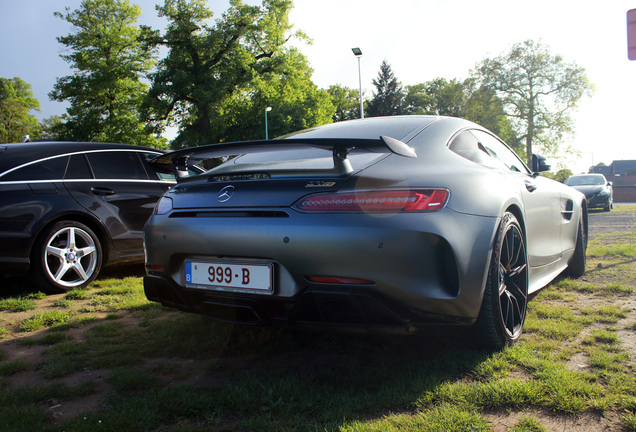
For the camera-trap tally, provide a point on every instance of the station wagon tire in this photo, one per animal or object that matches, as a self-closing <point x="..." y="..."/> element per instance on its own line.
<point x="505" y="302"/>
<point x="67" y="255"/>
<point x="576" y="267"/>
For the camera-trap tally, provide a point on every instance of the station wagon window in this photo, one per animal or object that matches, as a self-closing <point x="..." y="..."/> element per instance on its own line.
<point x="115" y="165"/>
<point x="78" y="168"/>
<point x="154" y="174"/>
<point x="50" y="169"/>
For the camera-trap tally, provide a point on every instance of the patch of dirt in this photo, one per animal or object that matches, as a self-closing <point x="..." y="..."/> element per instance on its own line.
<point x="587" y="422"/>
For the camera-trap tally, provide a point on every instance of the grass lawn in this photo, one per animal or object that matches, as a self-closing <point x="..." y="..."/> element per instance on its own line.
<point x="107" y="359"/>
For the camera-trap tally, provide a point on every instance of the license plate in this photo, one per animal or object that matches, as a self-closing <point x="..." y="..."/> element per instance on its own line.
<point x="226" y="276"/>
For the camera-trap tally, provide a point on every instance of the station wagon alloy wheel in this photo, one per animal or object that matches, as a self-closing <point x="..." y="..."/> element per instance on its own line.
<point x="69" y="256"/>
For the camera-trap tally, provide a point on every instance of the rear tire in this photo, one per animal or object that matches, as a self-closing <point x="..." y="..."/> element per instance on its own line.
<point x="505" y="302"/>
<point x="67" y="255"/>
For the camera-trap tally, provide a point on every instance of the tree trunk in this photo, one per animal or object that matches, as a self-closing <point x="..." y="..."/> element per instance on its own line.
<point x="529" y="135"/>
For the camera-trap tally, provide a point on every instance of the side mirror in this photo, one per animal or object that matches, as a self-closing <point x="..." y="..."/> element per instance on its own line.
<point x="539" y="164"/>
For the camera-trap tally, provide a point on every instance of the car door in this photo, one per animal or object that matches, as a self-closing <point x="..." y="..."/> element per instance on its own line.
<point x="541" y="201"/>
<point x="120" y="194"/>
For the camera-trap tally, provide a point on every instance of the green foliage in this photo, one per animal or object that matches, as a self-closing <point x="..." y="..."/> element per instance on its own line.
<point x="528" y="424"/>
<point x="106" y="90"/>
<point x="437" y="97"/>
<point x="17" y="304"/>
<point x="389" y="97"/>
<point x="217" y="79"/>
<point x="13" y="367"/>
<point x="560" y="176"/>
<point x="539" y="91"/>
<point x="462" y="99"/>
<point x="346" y="101"/>
<point x="52" y="127"/>
<point x="16" y="104"/>
<point x="296" y="102"/>
<point x="45" y="319"/>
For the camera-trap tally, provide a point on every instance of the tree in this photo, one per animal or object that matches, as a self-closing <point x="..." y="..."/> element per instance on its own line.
<point x="106" y="90"/>
<point x="388" y="99"/>
<point x="296" y="102"/>
<point x="538" y="90"/>
<point x="346" y="102"/>
<point x="437" y="97"/>
<point x="216" y="75"/>
<point x="52" y="127"/>
<point x="486" y="109"/>
<point x="16" y="103"/>
<point x="560" y="176"/>
<point x="461" y="99"/>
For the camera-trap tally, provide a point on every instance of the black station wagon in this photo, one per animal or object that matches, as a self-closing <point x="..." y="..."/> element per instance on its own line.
<point x="67" y="209"/>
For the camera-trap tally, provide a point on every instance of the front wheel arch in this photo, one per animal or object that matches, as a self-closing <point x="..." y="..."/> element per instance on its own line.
<point x="505" y="300"/>
<point x="95" y="225"/>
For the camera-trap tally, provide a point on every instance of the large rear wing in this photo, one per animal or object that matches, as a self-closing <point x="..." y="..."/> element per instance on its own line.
<point x="177" y="162"/>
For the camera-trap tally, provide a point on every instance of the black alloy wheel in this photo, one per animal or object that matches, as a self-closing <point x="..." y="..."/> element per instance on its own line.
<point x="505" y="302"/>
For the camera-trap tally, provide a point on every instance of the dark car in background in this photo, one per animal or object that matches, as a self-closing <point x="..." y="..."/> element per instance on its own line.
<point x="67" y="209"/>
<point x="381" y="225"/>
<point x="597" y="190"/>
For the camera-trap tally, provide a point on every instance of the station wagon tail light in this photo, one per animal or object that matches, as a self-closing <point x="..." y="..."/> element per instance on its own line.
<point x="375" y="201"/>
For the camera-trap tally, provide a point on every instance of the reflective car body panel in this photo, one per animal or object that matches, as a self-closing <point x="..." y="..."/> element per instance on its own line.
<point x="388" y="270"/>
<point x="45" y="182"/>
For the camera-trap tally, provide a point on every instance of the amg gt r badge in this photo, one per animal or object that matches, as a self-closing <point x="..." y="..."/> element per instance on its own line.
<point x="320" y="183"/>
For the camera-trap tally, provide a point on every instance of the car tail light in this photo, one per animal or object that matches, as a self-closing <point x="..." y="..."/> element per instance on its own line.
<point x="375" y="201"/>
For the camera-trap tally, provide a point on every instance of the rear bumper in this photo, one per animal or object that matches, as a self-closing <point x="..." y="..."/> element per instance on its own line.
<point x="338" y="308"/>
<point x="425" y="268"/>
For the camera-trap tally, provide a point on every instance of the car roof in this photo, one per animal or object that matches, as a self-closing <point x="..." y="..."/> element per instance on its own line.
<point x="399" y="127"/>
<point x="16" y="154"/>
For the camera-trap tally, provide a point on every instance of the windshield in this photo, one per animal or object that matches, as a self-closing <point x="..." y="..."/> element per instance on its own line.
<point x="585" y="180"/>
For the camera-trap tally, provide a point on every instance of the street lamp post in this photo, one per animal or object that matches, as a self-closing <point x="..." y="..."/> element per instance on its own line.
<point x="266" y="134"/>
<point x="358" y="53"/>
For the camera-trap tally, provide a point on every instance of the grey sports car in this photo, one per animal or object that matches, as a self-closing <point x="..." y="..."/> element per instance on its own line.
<point x="385" y="224"/>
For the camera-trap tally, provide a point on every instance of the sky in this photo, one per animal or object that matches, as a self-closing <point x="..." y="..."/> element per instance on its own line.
<point x="420" y="39"/>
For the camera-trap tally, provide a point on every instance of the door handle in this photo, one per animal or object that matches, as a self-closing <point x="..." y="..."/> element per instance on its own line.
<point x="102" y="191"/>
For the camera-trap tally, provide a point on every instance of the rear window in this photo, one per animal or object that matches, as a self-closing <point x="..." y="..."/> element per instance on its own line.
<point x="305" y="159"/>
<point x="50" y="169"/>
